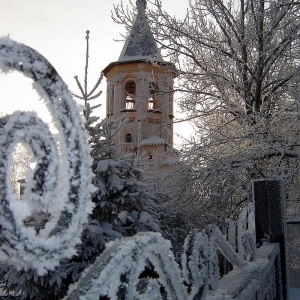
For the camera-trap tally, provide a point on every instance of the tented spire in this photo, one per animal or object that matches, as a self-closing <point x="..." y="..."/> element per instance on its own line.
<point x="140" y="43"/>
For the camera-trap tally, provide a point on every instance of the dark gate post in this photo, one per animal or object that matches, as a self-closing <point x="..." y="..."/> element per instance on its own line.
<point x="270" y="221"/>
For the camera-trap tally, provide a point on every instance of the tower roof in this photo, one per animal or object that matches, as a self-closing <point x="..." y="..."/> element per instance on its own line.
<point x="140" y="43"/>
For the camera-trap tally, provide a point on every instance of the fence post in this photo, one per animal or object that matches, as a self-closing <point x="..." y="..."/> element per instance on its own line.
<point x="270" y="222"/>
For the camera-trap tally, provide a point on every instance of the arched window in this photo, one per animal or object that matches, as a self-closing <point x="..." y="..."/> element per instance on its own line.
<point x="153" y="101"/>
<point x="128" y="138"/>
<point x="130" y="93"/>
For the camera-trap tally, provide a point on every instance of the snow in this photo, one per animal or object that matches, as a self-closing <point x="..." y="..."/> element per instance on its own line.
<point x="123" y="216"/>
<point x="153" y="140"/>
<point x="140" y="44"/>
<point x="231" y="232"/>
<point x="129" y="256"/>
<point x="138" y="57"/>
<point x="108" y="230"/>
<point x="248" y="246"/>
<point x="195" y="262"/>
<point x="145" y="217"/>
<point x="170" y="160"/>
<point x="224" y="246"/>
<point x="142" y="217"/>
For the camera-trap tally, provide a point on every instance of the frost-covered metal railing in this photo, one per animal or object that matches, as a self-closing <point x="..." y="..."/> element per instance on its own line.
<point x="235" y="229"/>
<point x="117" y="272"/>
<point x="265" y="277"/>
<point x="61" y="181"/>
<point x="255" y="281"/>
<point x="61" y="185"/>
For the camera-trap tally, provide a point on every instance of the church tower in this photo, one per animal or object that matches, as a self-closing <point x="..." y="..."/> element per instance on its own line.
<point x="139" y="88"/>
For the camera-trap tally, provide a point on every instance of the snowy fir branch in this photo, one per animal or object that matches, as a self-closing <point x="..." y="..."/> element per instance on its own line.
<point x="60" y="184"/>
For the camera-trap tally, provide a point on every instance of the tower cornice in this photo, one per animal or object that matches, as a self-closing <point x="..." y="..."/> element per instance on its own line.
<point x="159" y="64"/>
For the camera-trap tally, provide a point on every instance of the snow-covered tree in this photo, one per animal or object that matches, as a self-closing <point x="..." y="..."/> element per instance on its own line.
<point x="238" y="70"/>
<point x="170" y="188"/>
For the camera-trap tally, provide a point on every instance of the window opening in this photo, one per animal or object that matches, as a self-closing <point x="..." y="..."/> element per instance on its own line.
<point x="152" y="101"/>
<point x="130" y="92"/>
<point x="128" y="138"/>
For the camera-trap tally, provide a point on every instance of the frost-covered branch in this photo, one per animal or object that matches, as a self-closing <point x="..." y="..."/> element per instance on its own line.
<point x="238" y="72"/>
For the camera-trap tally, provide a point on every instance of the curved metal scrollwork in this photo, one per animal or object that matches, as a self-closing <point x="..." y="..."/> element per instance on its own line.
<point x="199" y="264"/>
<point x="61" y="181"/>
<point x="116" y="273"/>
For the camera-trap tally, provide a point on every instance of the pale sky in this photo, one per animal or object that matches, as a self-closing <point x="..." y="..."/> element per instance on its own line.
<point x="56" y="28"/>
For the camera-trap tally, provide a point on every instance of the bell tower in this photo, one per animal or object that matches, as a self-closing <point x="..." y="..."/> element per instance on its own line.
<point x="140" y="89"/>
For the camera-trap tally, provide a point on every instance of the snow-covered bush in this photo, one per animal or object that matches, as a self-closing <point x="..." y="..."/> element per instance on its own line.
<point x="121" y="196"/>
